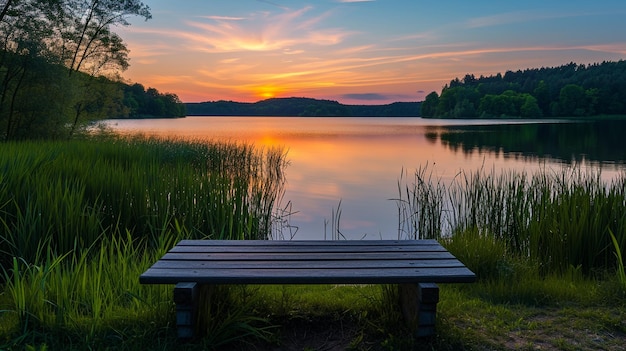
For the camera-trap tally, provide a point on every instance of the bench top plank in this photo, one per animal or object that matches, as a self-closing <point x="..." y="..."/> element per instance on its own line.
<point x="311" y="276"/>
<point x="304" y="256"/>
<point x="317" y="264"/>
<point x="303" y="243"/>
<point x="307" y="248"/>
<point x="307" y="262"/>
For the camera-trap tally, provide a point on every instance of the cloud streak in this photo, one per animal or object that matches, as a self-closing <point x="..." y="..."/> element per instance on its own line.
<point x="225" y="18"/>
<point x="323" y="50"/>
<point x="261" y="32"/>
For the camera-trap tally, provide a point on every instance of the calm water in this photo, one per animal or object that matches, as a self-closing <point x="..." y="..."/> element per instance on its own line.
<point x="359" y="161"/>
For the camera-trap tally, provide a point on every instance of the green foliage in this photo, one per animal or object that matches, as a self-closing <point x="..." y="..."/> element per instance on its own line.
<point x="141" y="103"/>
<point x="621" y="273"/>
<point x="482" y="253"/>
<point x="552" y="220"/>
<point x="567" y="91"/>
<point x="420" y="207"/>
<point x="84" y="295"/>
<point x="54" y="57"/>
<point x="129" y="201"/>
<point x="148" y="186"/>
<point x="572" y="100"/>
<point x="429" y="106"/>
<point x="509" y="104"/>
<point x="530" y="107"/>
<point x="225" y="317"/>
<point x="458" y="102"/>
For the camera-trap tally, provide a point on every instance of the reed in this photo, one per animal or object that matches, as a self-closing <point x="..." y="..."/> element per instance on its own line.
<point x="84" y="296"/>
<point x="420" y="206"/>
<point x="60" y="189"/>
<point x="227" y="317"/>
<point x="621" y="272"/>
<point x="557" y="220"/>
<point x="81" y="220"/>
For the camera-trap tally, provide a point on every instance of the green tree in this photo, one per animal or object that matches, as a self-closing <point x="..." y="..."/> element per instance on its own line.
<point x="139" y="102"/>
<point x="542" y="94"/>
<point x="572" y="100"/>
<point x="530" y="107"/>
<point x="496" y="106"/>
<point x="598" y="88"/>
<point x="458" y="102"/>
<point x="429" y="106"/>
<point x="92" y="47"/>
<point x="36" y="37"/>
<point x="25" y="66"/>
<point x="592" y="97"/>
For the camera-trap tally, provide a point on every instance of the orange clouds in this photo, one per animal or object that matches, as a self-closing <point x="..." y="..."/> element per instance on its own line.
<point x="260" y="32"/>
<point x="337" y="49"/>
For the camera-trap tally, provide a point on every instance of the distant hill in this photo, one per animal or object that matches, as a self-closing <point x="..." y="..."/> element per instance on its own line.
<point x="304" y="107"/>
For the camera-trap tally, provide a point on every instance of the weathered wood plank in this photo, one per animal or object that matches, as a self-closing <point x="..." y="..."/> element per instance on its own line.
<point x="307" y="248"/>
<point x="305" y="256"/>
<point x="274" y="243"/>
<point x="307" y="264"/>
<point x="308" y="276"/>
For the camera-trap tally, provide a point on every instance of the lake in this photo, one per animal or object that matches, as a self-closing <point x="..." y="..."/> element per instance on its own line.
<point x="355" y="164"/>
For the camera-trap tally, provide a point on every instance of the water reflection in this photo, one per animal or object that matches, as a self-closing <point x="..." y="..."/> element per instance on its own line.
<point x="359" y="161"/>
<point x="600" y="142"/>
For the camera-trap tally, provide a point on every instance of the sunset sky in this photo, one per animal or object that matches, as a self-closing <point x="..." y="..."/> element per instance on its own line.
<point x="359" y="51"/>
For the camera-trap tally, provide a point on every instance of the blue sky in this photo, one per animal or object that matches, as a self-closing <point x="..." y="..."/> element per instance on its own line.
<point x="356" y="51"/>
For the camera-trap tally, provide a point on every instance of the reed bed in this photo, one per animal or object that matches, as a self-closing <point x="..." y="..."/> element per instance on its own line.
<point x="81" y="220"/>
<point x="557" y="220"/>
<point x="74" y="193"/>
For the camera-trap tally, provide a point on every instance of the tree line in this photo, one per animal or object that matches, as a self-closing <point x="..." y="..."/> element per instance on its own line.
<point x="303" y="107"/>
<point x="140" y="102"/>
<point x="571" y="90"/>
<point x="60" y="65"/>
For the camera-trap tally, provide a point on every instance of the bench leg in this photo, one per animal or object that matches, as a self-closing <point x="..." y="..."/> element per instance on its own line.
<point x="186" y="299"/>
<point x="419" y="306"/>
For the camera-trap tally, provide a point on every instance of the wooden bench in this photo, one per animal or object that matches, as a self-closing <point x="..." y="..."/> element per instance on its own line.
<point x="415" y="265"/>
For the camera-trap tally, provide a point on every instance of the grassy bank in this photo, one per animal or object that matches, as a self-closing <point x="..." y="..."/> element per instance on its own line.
<point x="81" y="220"/>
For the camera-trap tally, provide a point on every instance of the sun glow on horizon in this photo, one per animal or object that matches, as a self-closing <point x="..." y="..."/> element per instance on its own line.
<point x="353" y="50"/>
<point x="267" y="91"/>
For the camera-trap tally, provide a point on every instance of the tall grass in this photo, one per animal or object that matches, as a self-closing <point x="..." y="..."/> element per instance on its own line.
<point x="558" y="220"/>
<point x="86" y="296"/>
<point x="81" y="220"/>
<point x="621" y="272"/>
<point x="74" y="192"/>
<point x="420" y="208"/>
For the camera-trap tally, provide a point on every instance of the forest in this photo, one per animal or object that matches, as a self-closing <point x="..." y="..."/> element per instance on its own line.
<point x="302" y="107"/>
<point x="140" y="102"/>
<point x="60" y="66"/>
<point x="571" y="90"/>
